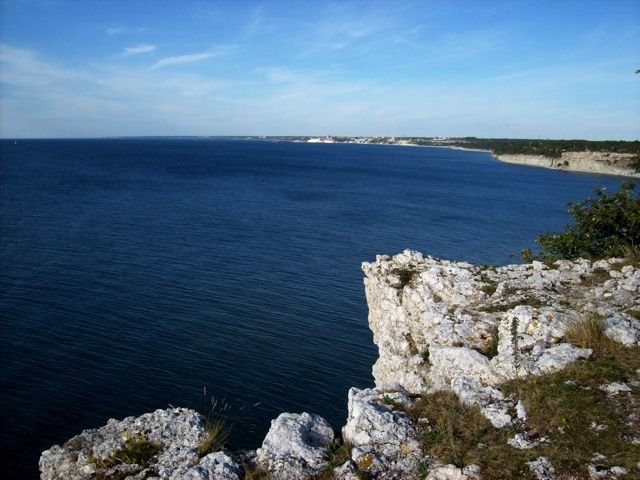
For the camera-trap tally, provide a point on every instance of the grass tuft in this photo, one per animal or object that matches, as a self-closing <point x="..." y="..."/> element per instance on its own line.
<point x="137" y="450"/>
<point x="588" y="332"/>
<point x="216" y="430"/>
<point x="597" y="277"/>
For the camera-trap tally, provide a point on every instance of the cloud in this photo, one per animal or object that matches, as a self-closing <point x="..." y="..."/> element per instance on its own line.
<point x="182" y="59"/>
<point x="193" y="57"/>
<point x="23" y="68"/>
<point x="138" y="49"/>
<point x="112" y="31"/>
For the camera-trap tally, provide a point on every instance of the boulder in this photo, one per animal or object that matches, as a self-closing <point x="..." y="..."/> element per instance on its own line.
<point x="175" y="434"/>
<point x="295" y="446"/>
<point x="384" y="440"/>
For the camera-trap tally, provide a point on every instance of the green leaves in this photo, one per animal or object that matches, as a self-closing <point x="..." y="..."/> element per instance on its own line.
<point x="607" y="225"/>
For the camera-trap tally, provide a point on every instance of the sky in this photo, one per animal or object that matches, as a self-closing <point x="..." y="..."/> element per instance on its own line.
<point x="515" y="69"/>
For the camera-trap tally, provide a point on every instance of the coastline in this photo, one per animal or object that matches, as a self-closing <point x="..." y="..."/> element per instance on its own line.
<point x="596" y="163"/>
<point x="579" y="162"/>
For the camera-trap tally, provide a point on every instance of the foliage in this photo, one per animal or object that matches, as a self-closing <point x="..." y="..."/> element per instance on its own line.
<point x="492" y="349"/>
<point x="547" y="148"/>
<point x="607" y="225"/>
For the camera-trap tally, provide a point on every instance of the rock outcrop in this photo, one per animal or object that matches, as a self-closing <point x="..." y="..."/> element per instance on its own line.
<point x="167" y="440"/>
<point x="452" y="325"/>
<point x="438" y="325"/>
<point x="385" y="442"/>
<point x="605" y="163"/>
<point x="295" y="447"/>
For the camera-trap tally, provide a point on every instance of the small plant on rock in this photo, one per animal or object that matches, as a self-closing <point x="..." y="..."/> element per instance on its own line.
<point x="137" y="450"/>
<point x="515" y="344"/>
<point x="216" y="430"/>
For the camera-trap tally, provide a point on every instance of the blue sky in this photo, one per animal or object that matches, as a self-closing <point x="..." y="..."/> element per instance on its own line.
<point x="528" y="69"/>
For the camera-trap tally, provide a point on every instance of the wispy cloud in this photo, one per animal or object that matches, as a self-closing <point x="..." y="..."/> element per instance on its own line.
<point x="193" y="57"/>
<point x="112" y="31"/>
<point x="24" y="68"/>
<point x="138" y="49"/>
<point x="182" y="59"/>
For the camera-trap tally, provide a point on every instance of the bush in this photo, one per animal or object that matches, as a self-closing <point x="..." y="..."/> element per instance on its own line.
<point x="607" y="225"/>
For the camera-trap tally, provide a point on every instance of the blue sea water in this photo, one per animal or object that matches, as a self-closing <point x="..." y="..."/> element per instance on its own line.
<point x="137" y="273"/>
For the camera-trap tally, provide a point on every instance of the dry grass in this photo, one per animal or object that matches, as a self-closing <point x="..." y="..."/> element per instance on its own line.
<point x="461" y="435"/>
<point x="597" y="277"/>
<point x="566" y="405"/>
<point x="587" y="332"/>
<point x="216" y="434"/>
<point x="563" y="407"/>
<point x="137" y="450"/>
<point x="216" y="430"/>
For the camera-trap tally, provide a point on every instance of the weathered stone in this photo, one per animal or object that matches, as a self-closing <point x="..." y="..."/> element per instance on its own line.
<point x="347" y="471"/>
<point x="177" y="432"/>
<point x="490" y="400"/>
<point x="615" y="388"/>
<point x="215" y="466"/>
<point x="430" y="319"/>
<point x="446" y="472"/>
<point x="542" y="469"/>
<point x="623" y="328"/>
<point x="447" y="363"/>
<point x="295" y="446"/>
<point x="384" y="441"/>
<point x="523" y="442"/>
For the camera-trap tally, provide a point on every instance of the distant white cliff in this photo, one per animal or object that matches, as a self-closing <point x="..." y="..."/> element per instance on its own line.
<point x="605" y="163"/>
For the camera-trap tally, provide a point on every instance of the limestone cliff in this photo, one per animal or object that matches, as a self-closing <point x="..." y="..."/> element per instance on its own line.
<point x="427" y="314"/>
<point x="439" y="325"/>
<point x="605" y="163"/>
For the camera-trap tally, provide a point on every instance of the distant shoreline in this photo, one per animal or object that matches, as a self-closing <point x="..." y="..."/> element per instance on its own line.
<point x="597" y="163"/>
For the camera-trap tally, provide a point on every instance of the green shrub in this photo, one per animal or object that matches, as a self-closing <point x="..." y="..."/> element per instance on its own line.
<point x="607" y="225"/>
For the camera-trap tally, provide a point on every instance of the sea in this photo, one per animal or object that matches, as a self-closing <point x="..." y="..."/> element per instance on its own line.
<point x="145" y="273"/>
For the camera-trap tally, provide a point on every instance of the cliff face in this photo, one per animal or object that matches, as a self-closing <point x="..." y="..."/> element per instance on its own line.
<point x="605" y="163"/>
<point x="432" y="318"/>
<point x="439" y="326"/>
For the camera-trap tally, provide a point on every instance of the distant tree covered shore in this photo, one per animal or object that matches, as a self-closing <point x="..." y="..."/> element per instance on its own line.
<point x="547" y="148"/>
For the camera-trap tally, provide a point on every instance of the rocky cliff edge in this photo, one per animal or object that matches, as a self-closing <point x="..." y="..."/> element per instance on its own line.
<point x="440" y="326"/>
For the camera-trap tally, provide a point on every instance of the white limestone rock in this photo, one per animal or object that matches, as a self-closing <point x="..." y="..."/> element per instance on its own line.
<point x="178" y="431"/>
<point x="215" y="466"/>
<point x="490" y="400"/>
<point x="529" y="343"/>
<point x="558" y="357"/>
<point x="615" y="388"/>
<point x="448" y="363"/>
<point x="346" y="471"/>
<point x="446" y="472"/>
<point x="623" y="328"/>
<point x="522" y="442"/>
<point x="295" y="446"/>
<point x="418" y="304"/>
<point x="542" y="469"/>
<point x="384" y="441"/>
